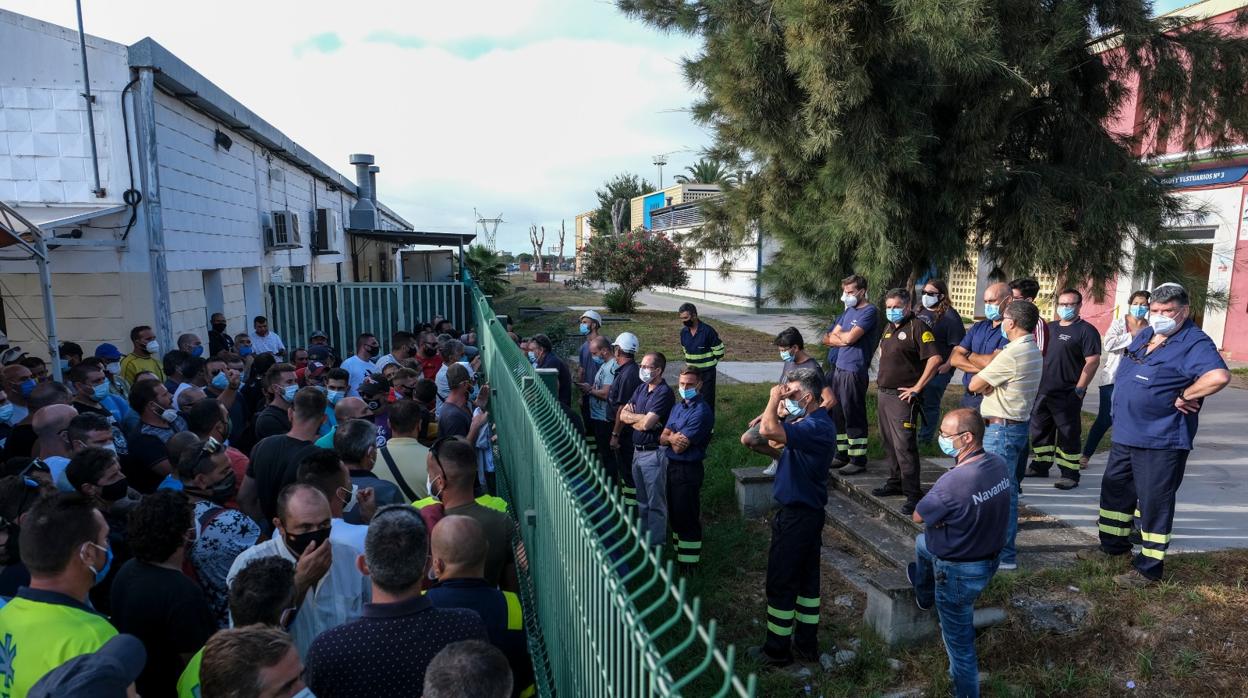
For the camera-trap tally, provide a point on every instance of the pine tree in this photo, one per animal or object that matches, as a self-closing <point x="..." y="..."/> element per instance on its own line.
<point x="886" y="136"/>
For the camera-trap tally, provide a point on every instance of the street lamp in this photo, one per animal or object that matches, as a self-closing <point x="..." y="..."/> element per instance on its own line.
<point x="660" y="160"/>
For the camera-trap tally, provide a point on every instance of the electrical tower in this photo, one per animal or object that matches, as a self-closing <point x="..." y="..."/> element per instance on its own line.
<point x="661" y="160"/>
<point x="489" y="229"/>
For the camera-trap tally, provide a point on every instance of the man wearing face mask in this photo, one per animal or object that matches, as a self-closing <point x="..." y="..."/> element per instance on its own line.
<point x="18" y="385"/>
<point x="793" y="355"/>
<point x="956" y="555"/>
<point x="982" y="341"/>
<point x="684" y="440"/>
<point x="360" y="365"/>
<point x="221" y="534"/>
<point x="627" y="380"/>
<point x="801" y="489"/>
<point x="191" y="344"/>
<point x="544" y="352"/>
<point x="145" y="355"/>
<point x="325" y="472"/>
<point x="218" y="339"/>
<point x="402" y="347"/>
<point x="355" y="443"/>
<point x="64" y="544"/>
<point x="1070" y="363"/>
<point x="330" y="590"/>
<point x="703" y="349"/>
<point x="153" y="599"/>
<point x="462" y="413"/>
<point x="110" y="360"/>
<point x="158" y="422"/>
<point x="909" y="359"/>
<point x="51" y="425"/>
<point x="92" y="396"/>
<point x="646" y="413"/>
<point x="281" y="384"/>
<point x="430" y="360"/>
<point x="601" y="370"/>
<point x="1165" y="375"/>
<point x="854" y="336"/>
<point x="264" y="340"/>
<point x="95" y="473"/>
<point x="1009" y="383"/>
<point x="208" y="419"/>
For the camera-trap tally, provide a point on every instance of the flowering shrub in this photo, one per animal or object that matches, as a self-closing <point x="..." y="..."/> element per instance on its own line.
<point x="636" y="260"/>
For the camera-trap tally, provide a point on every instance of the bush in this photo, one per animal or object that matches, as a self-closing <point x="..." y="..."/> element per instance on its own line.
<point x="619" y="300"/>
<point x="633" y="261"/>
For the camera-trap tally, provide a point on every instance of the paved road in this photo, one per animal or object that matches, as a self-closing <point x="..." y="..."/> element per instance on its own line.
<point x="771" y="323"/>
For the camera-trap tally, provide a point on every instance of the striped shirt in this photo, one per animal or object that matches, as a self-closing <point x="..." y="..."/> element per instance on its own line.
<point x="1014" y="375"/>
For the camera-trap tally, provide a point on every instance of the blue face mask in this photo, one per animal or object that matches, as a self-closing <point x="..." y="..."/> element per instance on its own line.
<point x="1139" y="311"/>
<point x="27" y="387"/>
<point x="786" y="355"/>
<point x="64" y="365"/>
<point x="533" y="358"/>
<point x="101" y="573"/>
<point x="6" y="412"/>
<point x="198" y="351"/>
<point x="472" y="395"/>
<point x="894" y="315"/>
<point x="946" y="445"/>
<point x="1066" y="313"/>
<point x="288" y="393"/>
<point x="1003" y="334"/>
<point x="334" y="396"/>
<point x="598" y="361"/>
<point x="220" y="381"/>
<point x="100" y="391"/>
<point x="688" y="393"/>
<point x="792" y="407"/>
<point x="584" y="328"/>
<point x="244" y="351"/>
<point x="992" y="312"/>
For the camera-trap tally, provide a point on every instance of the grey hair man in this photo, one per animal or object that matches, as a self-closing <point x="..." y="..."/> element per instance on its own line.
<point x="361" y="657"/>
<point x="355" y="442"/>
<point x="468" y="669"/>
<point x="1168" y="370"/>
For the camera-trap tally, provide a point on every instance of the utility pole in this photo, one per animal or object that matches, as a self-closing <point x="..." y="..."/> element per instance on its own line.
<point x="660" y="160"/>
<point x="489" y="229"/>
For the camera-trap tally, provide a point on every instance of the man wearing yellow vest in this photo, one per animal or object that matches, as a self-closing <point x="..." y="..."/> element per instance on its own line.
<point x="64" y="544"/>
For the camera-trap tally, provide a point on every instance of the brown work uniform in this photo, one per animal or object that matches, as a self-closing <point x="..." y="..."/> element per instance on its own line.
<point x="904" y="351"/>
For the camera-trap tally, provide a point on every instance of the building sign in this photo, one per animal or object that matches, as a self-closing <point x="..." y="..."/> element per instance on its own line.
<point x="1206" y="178"/>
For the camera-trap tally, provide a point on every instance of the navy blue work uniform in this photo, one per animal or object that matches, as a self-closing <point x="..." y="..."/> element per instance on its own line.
<point x="504" y="621"/>
<point x="801" y="488"/>
<point x="565" y="376"/>
<point x="1151" y="441"/>
<point x="1056" y="427"/>
<point x="849" y="384"/>
<point x="626" y="382"/>
<point x="692" y="419"/>
<point x="703" y="351"/>
<point x="649" y="468"/>
<point x="984" y="337"/>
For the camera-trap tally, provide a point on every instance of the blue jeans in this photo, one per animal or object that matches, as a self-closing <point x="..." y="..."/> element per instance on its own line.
<point x="930" y="405"/>
<point x="1010" y="442"/>
<point x="1103" y="420"/>
<point x="954" y="586"/>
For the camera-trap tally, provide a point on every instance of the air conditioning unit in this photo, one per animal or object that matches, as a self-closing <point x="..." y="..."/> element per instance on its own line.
<point x="282" y="233"/>
<point x="327" y="233"/>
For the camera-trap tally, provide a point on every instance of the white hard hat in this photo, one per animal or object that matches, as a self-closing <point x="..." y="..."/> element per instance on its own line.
<point x="593" y="315"/>
<point x="627" y="341"/>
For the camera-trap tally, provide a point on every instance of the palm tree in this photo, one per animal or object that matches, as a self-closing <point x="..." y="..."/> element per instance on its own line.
<point x="708" y="172"/>
<point x="486" y="269"/>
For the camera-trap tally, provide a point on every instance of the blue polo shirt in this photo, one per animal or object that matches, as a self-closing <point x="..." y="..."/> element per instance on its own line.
<point x="694" y="419"/>
<point x="982" y="338"/>
<point x="802" y="473"/>
<point x="857" y="356"/>
<point x="503" y="618"/>
<point x="1146" y="386"/>
<point x="659" y="401"/>
<point x="966" y="511"/>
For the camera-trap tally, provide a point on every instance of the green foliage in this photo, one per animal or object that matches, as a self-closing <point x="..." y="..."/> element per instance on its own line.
<point x="634" y="260"/>
<point x="887" y="136"/>
<point x="706" y="171"/>
<point x="488" y="270"/>
<point x="1163" y="261"/>
<point x="618" y="300"/>
<point x="524" y="258"/>
<point x="623" y="186"/>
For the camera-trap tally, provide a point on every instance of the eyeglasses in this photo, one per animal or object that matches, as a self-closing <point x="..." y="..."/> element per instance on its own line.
<point x="953" y="435"/>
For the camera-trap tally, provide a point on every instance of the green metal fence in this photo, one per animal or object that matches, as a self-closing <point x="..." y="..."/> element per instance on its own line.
<point x="343" y="311"/>
<point x="606" y="615"/>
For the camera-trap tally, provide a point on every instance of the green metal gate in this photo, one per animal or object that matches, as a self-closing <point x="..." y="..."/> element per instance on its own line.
<point x="606" y="615"/>
<point x="344" y="311"/>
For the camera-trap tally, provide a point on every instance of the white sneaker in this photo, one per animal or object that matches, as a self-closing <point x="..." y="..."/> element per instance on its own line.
<point x="1007" y="566"/>
<point x="770" y="471"/>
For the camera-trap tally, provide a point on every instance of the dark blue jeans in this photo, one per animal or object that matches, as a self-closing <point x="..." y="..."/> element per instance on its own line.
<point x="1102" y="423"/>
<point x="954" y="586"/>
<point x="930" y="405"/>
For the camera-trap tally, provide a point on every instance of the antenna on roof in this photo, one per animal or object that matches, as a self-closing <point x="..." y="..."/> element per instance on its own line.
<point x="489" y="228"/>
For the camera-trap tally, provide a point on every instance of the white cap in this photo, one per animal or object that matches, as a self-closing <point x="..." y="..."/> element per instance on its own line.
<point x="627" y="341"/>
<point x="592" y="315"/>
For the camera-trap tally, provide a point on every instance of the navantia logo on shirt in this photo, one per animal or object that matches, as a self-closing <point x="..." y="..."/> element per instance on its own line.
<point x="1064" y="337"/>
<point x="981" y="497"/>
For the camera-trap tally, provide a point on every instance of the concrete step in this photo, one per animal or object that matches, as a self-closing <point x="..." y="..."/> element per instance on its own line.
<point x="870" y="531"/>
<point x="858" y="487"/>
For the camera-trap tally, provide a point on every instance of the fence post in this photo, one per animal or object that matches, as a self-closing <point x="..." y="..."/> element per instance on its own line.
<point x="347" y="347"/>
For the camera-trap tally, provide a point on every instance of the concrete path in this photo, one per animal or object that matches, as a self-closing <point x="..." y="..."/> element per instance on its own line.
<point x="810" y="326"/>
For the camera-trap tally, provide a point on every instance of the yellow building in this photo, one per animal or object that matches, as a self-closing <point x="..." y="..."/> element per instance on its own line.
<point x="584" y="231"/>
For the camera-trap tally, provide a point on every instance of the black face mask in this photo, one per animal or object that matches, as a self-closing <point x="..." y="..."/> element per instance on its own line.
<point x="429" y="351"/>
<point x="300" y="543"/>
<point x="115" y="491"/>
<point x="224" y="489"/>
<point x="374" y="351"/>
<point x="687" y="323"/>
<point x="218" y="327"/>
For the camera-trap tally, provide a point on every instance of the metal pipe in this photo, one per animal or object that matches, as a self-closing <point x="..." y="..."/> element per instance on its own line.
<point x="49" y="307"/>
<point x="149" y="178"/>
<point x="86" y="94"/>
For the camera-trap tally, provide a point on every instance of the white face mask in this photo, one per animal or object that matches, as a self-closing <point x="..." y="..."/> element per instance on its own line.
<point x="645" y="375"/>
<point x="152" y="347"/>
<point x="113" y="369"/>
<point x="353" y="499"/>
<point x="930" y="301"/>
<point x="849" y="300"/>
<point x="1163" y="325"/>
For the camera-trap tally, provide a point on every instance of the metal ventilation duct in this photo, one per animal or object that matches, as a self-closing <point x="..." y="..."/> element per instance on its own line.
<point x="364" y="212"/>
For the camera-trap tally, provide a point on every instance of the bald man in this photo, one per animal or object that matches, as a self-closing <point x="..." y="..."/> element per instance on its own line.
<point x="459" y="550"/>
<point x="50" y="424"/>
<point x="964" y="515"/>
<point x="347" y="409"/>
<point x="982" y="341"/>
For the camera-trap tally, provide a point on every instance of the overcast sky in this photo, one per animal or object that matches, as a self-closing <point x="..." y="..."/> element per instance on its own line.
<point x="518" y="107"/>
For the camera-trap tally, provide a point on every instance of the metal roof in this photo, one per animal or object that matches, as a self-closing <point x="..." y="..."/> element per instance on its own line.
<point x="415" y="237"/>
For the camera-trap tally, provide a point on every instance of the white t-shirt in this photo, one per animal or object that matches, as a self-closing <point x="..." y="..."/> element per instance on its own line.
<point x="359" y="370"/>
<point x="270" y="343"/>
